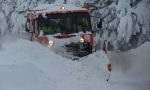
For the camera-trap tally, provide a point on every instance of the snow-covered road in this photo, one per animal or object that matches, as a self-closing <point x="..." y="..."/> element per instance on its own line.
<point x="26" y="65"/>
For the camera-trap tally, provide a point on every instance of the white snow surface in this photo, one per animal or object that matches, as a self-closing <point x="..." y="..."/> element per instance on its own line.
<point x="73" y="2"/>
<point x="26" y="65"/>
<point x="66" y="41"/>
<point x="47" y="8"/>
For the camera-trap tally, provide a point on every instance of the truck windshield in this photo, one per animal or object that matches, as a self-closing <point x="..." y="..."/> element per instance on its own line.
<point x="64" y="23"/>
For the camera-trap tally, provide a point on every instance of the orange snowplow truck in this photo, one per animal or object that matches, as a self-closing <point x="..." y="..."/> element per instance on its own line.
<point x="61" y="25"/>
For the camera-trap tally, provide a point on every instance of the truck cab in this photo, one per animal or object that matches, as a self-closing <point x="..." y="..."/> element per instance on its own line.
<point x="62" y="26"/>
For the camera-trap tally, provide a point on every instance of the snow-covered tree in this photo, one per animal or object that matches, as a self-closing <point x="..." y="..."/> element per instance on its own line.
<point x="12" y="14"/>
<point x="125" y="23"/>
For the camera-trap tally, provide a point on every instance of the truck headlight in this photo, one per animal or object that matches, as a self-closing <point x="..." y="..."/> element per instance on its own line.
<point x="82" y="40"/>
<point x="50" y="43"/>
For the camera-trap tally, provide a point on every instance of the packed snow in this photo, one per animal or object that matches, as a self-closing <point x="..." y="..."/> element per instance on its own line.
<point x="132" y="67"/>
<point x="30" y="66"/>
<point x="26" y="65"/>
<point x="54" y="8"/>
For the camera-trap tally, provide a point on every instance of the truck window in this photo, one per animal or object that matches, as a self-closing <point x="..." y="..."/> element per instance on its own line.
<point x="64" y="23"/>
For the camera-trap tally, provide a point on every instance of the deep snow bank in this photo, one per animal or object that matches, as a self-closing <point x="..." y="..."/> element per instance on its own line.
<point x="134" y="64"/>
<point x="131" y="69"/>
<point x="26" y="65"/>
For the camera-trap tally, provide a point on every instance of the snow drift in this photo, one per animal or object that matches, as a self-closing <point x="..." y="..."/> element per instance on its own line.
<point x="132" y="66"/>
<point x="28" y="65"/>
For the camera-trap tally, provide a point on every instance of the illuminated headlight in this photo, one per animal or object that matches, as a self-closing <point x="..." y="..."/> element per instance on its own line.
<point x="62" y="7"/>
<point x="50" y="43"/>
<point x="81" y="40"/>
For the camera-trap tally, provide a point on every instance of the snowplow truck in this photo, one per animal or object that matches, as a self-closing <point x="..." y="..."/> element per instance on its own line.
<point x="61" y="26"/>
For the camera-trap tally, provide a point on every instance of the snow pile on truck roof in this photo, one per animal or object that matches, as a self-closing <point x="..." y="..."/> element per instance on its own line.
<point x="47" y="8"/>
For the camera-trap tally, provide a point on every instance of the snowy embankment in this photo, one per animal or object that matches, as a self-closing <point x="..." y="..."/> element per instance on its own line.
<point x="26" y="65"/>
<point x="132" y="68"/>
